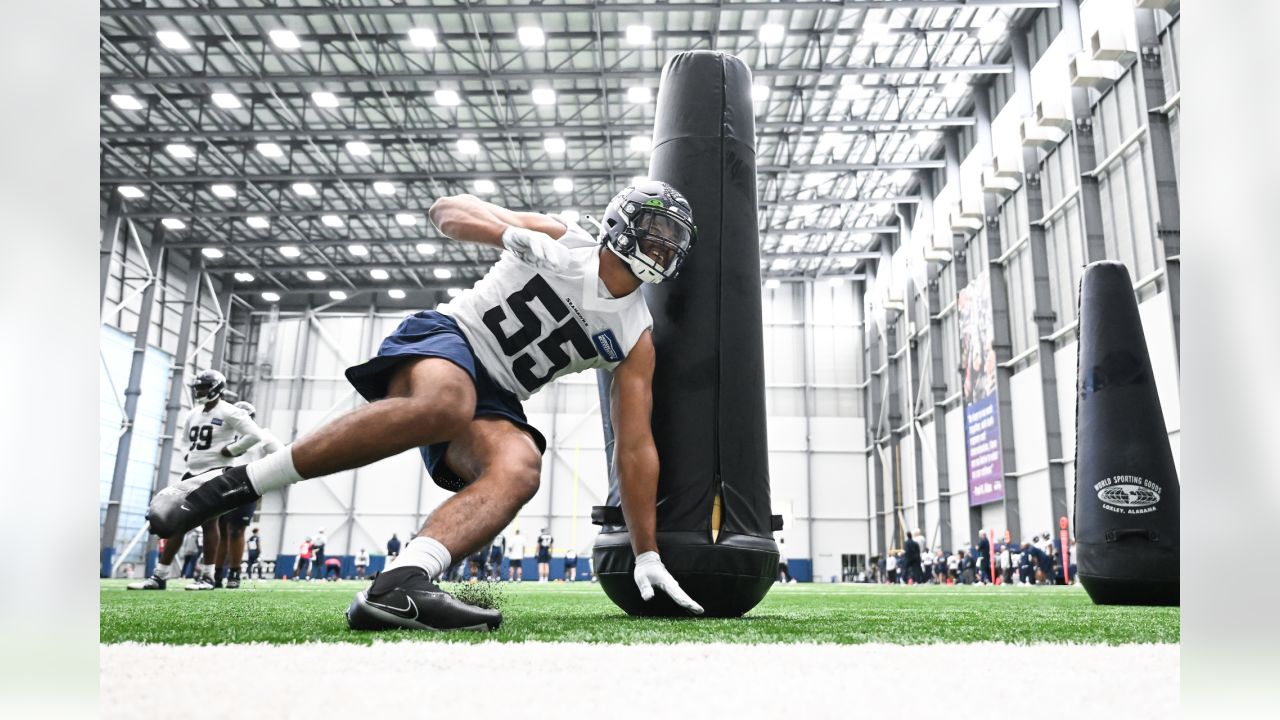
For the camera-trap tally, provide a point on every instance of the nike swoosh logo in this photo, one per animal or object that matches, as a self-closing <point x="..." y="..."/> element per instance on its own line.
<point x="184" y="507"/>
<point x="408" y="612"/>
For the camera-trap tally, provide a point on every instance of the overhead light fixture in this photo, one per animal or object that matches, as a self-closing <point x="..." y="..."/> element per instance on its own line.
<point x="814" y="179"/>
<point x="173" y="40"/>
<point x="543" y="96"/>
<point x="338" y="294"/>
<point x="359" y="148"/>
<point x="993" y="29"/>
<point x="423" y="37"/>
<point x="131" y="192"/>
<point x="257" y="222"/>
<point x="562" y="185"/>
<point x="285" y="39"/>
<point x="304" y="189"/>
<point x="640" y="143"/>
<point x="180" y="151"/>
<point x="772" y="33"/>
<point x="173" y="223"/>
<point x="382" y="187"/>
<point x="955" y="89"/>
<point x="290" y="251"/>
<point x="442" y="273"/>
<point x="211" y="252"/>
<point x="269" y="149"/>
<point x="469" y="146"/>
<point x="316" y="275"/>
<point x="554" y="145"/>
<point x="454" y="292"/>
<point x="379" y="274"/>
<point x="800" y="211"/>
<point x="226" y="100"/>
<point x="876" y="33"/>
<point x="395" y="294"/>
<point x="244" y="277"/>
<point x="759" y="92"/>
<point x="324" y="99"/>
<point x="223" y="191"/>
<point x="126" y="102"/>
<point x="271" y="297"/>
<point x="639" y="94"/>
<point x="484" y="186"/>
<point x="426" y="248"/>
<point x="853" y="90"/>
<point x="406" y="220"/>
<point x="639" y="34"/>
<point x="570" y="215"/>
<point x="333" y="221"/>
<point x="358" y="250"/>
<point x="531" y="36"/>
<point x="447" y="97"/>
<point x="772" y="284"/>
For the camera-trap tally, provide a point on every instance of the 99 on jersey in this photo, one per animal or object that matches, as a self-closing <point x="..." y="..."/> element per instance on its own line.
<point x="530" y="331"/>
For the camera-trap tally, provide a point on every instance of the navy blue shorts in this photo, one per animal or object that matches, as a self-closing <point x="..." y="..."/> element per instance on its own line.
<point x="432" y="334"/>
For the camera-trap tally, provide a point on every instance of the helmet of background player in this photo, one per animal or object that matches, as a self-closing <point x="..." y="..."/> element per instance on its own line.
<point x="649" y="226"/>
<point x="208" y="387"/>
<point x="248" y="407"/>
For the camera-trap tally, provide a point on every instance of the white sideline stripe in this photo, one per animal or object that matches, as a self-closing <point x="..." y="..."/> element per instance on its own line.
<point x="414" y="679"/>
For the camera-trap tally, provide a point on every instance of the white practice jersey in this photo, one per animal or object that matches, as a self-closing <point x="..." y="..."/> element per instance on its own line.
<point x="207" y="432"/>
<point x="529" y="325"/>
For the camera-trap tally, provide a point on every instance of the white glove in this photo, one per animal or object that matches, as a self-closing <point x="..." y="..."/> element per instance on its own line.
<point x="651" y="573"/>
<point x="536" y="248"/>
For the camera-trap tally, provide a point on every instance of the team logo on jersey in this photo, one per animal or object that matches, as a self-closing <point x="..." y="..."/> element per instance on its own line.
<point x="608" y="346"/>
<point x="216" y="421"/>
<point x="1128" y="494"/>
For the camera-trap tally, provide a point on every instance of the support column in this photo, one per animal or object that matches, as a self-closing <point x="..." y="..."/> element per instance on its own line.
<point x="874" y="426"/>
<point x="891" y="439"/>
<point x="173" y="405"/>
<point x="107" y="248"/>
<point x="111" y="523"/>
<point x="295" y="403"/>
<point x="938" y="392"/>
<point x="808" y="374"/>
<point x="1095" y="246"/>
<point x="223" y="299"/>
<point x="366" y="340"/>
<point x="1163" y="169"/>
<point x="1002" y="341"/>
<point x="1042" y="314"/>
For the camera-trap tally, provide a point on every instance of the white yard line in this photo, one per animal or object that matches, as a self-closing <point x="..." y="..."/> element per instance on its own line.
<point x="619" y="682"/>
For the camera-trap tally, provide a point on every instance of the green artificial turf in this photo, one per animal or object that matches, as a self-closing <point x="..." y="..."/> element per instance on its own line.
<point x="287" y="612"/>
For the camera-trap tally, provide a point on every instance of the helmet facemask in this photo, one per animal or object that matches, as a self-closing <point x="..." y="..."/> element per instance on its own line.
<point x="649" y="226"/>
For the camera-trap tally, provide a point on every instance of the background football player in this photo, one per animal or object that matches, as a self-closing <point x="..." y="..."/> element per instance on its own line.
<point x="216" y="431"/>
<point x="231" y="526"/>
<point x="451" y="381"/>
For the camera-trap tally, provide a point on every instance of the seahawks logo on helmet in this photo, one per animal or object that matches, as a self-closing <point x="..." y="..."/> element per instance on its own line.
<point x="649" y="226"/>
<point x="208" y="387"/>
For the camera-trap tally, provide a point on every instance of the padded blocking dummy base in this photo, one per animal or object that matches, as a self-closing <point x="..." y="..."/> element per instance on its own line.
<point x="727" y="578"/>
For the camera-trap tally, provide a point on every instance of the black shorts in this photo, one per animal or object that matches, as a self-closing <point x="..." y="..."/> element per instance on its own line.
<point x="544" y="556"/>
<point x="241" y="516"/>
<point x="432" y="334"/>
<point x="571" y="564"/>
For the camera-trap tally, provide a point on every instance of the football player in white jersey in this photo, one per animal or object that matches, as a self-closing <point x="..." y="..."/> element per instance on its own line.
<point x="231" y="525"/>
<point x="450" y="382"/>
<point x="216" y="431"/>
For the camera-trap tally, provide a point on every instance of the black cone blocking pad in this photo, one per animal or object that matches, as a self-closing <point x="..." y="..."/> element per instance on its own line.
<point x="708" y="388"/>
<point x="1127" y="508"/>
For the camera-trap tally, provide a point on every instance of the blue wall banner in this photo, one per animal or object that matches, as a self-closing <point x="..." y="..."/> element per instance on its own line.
<point x="983" y="458"/>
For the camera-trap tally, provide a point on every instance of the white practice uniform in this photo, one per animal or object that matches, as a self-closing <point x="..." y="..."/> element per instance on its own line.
<point x="208" y="432"/>
<point x="267" y="444"/>
<point x="529" y="322"/>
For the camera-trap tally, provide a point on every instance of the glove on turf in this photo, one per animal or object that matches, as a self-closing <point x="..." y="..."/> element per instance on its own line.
<point x="651" y="573"/>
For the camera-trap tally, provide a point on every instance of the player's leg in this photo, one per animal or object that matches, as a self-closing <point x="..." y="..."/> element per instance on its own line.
<point x="503" y="466"/>
<point x="209" y="564"/>
<point x="234" y="550"/>
<point x="164" y="564"/>
<point x="429" y="400"/>
<point x="220" y="557"/>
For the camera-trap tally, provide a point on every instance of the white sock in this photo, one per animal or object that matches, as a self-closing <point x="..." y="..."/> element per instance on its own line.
<point x="423" y="552"/>
<point x="208" y="569"/>
<point x="162" y="571"/>
<point x="273" y="471"/>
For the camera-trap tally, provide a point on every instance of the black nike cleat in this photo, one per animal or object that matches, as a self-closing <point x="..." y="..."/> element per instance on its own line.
<point x="179" y="508"/>
<point x="152" y="583"/>
<point x="406" y="598"/>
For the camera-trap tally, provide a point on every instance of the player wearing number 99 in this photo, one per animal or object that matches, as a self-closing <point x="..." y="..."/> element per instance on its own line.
<point x="450" y="383"/>
<point x="215" y="431"/>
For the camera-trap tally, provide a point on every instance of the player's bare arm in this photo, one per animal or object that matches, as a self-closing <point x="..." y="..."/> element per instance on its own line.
<point x="636" y="457"/>
<point x="467" y="218"/>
